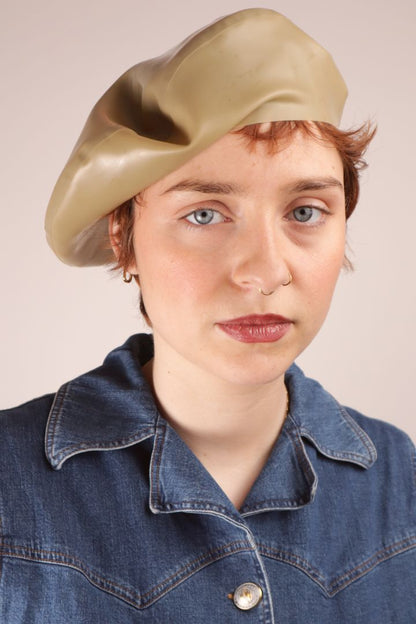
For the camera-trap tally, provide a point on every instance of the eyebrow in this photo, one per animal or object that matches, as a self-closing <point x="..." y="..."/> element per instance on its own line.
<point x="315" y="184"/>
<point x="225" y="188"/>
<point x="199" y="186"/>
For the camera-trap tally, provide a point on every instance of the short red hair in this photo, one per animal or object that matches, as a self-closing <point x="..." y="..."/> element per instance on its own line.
<point x="351" y="146"/>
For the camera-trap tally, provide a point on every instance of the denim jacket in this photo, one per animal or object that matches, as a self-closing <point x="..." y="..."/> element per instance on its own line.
<point x="108" y="517"/>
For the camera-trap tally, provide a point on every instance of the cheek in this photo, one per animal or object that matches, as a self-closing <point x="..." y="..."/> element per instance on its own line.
<point x="176" y="277"/>
<point x="322" y="275"/>
<point x="324" y="285"/>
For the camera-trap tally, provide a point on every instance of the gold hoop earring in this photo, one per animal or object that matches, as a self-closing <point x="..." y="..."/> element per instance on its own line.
<point x="289" y="281"/>
<point x="266" y="294"/>
<point x="127" y="277"/>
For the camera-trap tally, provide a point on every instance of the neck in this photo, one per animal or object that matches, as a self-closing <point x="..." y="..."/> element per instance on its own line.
<point x="231" y="428"/>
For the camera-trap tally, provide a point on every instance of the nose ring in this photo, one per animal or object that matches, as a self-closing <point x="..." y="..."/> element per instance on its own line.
<point x="289" y="281"/>
<point x="267" y="294"/>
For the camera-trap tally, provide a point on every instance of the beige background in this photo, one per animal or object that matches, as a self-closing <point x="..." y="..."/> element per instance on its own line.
<point x="58" y="57"/>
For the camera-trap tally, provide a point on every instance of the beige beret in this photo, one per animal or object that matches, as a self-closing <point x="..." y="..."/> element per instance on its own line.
<point x="249" y="67"/>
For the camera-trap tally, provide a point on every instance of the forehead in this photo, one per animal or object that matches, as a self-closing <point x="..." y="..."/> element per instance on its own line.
<point x="236" y="160"/>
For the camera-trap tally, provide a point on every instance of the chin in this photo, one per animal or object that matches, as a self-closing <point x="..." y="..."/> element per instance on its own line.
<point x="254" y="369"/>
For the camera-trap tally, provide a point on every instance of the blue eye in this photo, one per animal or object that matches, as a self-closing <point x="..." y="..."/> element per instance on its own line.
<point x="205" y="216"/>
<point x="307" y="214"/>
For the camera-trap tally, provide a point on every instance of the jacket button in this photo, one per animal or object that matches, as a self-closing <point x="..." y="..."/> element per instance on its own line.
<point x="247" y="596"/>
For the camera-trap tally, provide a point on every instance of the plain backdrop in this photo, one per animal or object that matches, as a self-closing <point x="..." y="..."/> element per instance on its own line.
<point x="57" y="58"/>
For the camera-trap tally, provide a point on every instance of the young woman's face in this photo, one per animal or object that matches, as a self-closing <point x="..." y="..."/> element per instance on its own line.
<point x="227" y="225"/>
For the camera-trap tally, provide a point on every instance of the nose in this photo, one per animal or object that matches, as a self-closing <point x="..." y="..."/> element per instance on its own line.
<point x="261" y="260"/>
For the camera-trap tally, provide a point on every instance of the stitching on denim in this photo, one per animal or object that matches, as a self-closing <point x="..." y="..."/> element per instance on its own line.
<point x="91" y="445"/>
<point x="196" y="504"/>
<point x="274" y="504"/>
<point x="355" y="428"/>
<point x="54" y="414"/>
<point x="302" y="457"/>
<point x="301" y="431"/>
<point x="330" y="452"/>
<point x="161" y="445"/>
<point x="305" y="464"/>
<point x="126" y="593"/>
<point x="209" y="557"/>
<point x="88" y="445"/>
<point x="267" y="603"/>
<point x="336" y="585"/>
<point x="295" y="560"/>
<point x="360" y="432"/>
<point x="157" y="457"/>
<point x="183" y="505"/>
<point x="193" y="503"/>
<point x="369" y="564"/>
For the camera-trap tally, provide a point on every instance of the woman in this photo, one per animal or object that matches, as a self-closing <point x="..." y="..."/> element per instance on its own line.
<point x="216" y="177"/>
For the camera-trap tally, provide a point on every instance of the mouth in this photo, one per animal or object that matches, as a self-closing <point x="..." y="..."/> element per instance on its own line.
<point x="256" y="328"/>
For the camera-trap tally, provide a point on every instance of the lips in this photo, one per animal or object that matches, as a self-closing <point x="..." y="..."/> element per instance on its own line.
<point x="256" y="327"/>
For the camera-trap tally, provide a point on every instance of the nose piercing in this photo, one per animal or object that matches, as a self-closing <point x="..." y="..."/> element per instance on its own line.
<point x="289" y="281"/>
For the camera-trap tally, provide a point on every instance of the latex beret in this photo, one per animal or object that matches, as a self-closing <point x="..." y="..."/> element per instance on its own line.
<point x="249" y="67"/>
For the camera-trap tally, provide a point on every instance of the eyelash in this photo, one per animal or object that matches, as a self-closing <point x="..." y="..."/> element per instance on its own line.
<point x="218" y="218"/>
<point x="207" y="210"/>
<point x="322" y="213"/>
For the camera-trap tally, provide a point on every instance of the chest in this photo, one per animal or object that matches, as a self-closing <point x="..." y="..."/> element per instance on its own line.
<point x="105" y="540"/>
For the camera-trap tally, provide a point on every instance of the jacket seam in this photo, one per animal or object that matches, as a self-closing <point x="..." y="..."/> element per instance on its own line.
<point x="52" y="557"/>
<point x="345" y="579"/>
<point x="91" y="445"/>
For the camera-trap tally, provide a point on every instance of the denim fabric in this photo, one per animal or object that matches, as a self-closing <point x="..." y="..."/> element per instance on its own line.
<point x="107" y="516"/>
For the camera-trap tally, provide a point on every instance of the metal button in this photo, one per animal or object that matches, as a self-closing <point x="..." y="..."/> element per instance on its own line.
<point x="247" y="596"/>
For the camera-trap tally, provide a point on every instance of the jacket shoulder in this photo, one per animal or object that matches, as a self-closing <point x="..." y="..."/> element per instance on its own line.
<point x="33" y="410"/>
<point x="396" y="452"/>
<point x="22" y="433"/>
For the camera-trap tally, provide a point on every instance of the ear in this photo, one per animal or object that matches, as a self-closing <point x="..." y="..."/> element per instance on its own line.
<point x="120" y="245"/>
<point x="114" y="234"/>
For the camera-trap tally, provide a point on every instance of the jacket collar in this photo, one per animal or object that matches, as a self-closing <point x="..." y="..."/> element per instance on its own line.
<point x="108" y="408"/>
<point x="325" y="423"/>
<point x="112" y="407"/>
